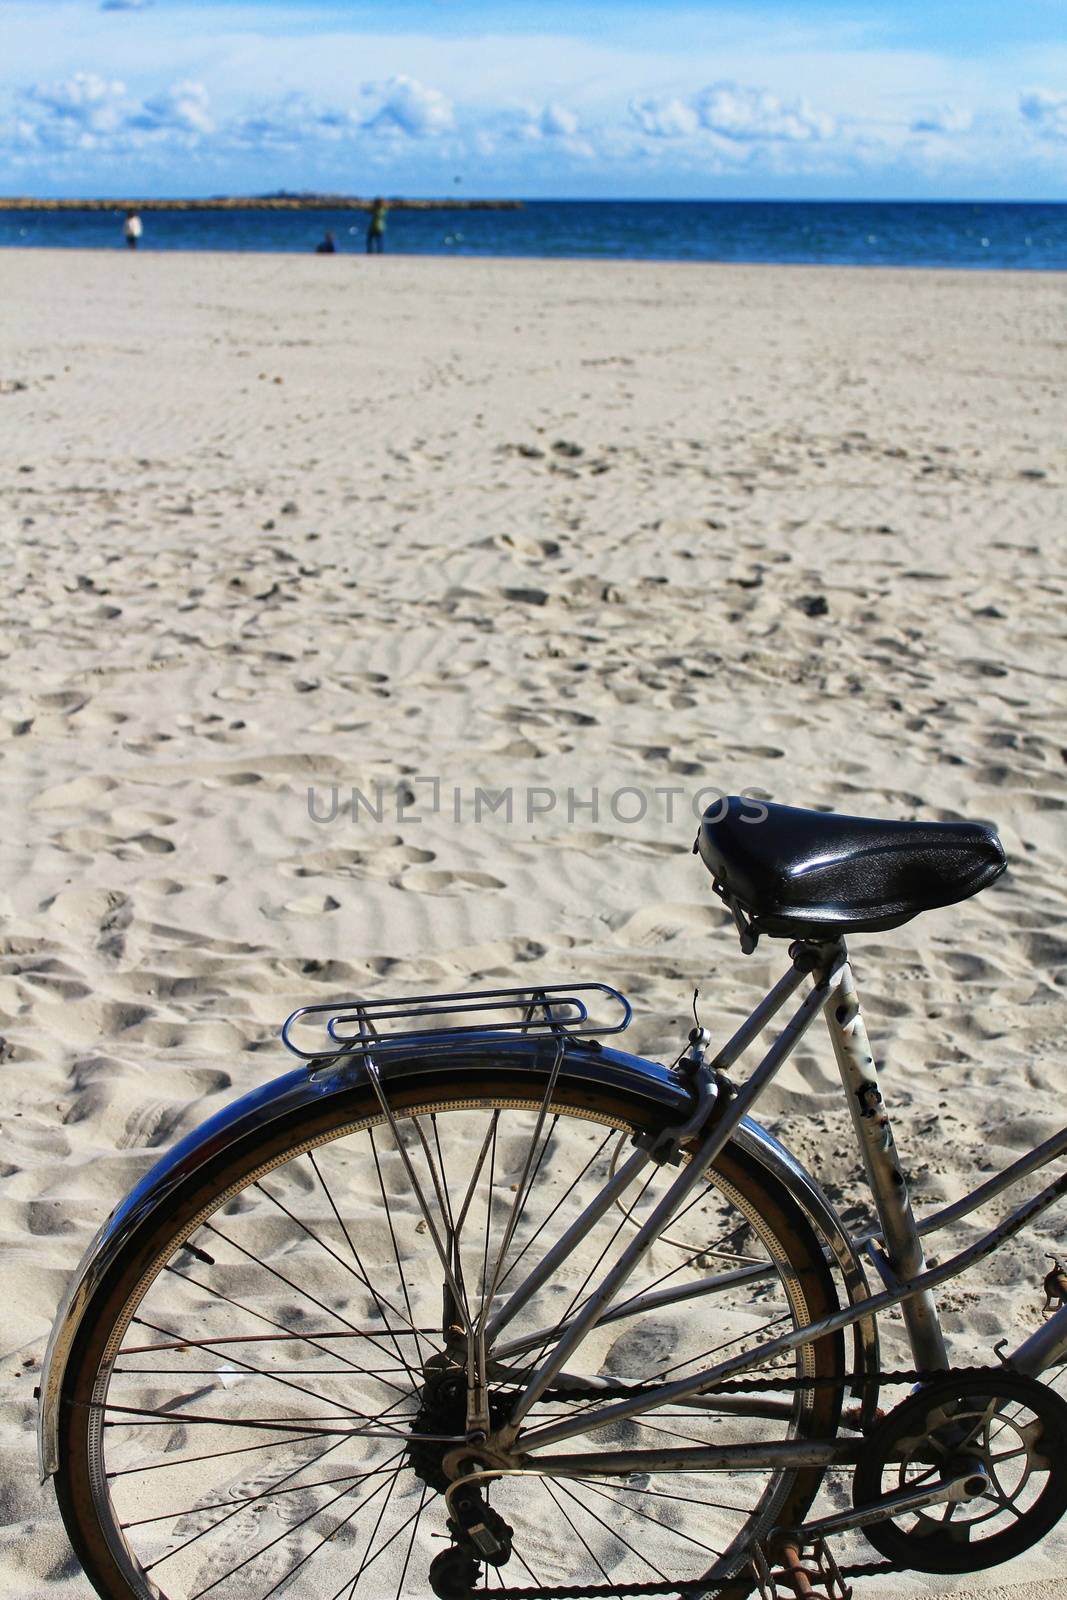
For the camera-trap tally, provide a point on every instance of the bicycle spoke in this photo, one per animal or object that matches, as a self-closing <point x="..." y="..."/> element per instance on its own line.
<point x="344" y="1264"/>
<point x="212" y="1527"/>
<point x="564" y="1197"/>
<point x="410" y="1318"/>
<point x="606" y="1494"/>
<point x="444" y="1201"/>
<point x="525" y="1183"/>
<point x="240" y="1502"/>
<point x="367" y="1557"/>
<point x="148" y="1415"/>
<point x="232" y="1505"/>
<point x="571" y="1524"/>
<point x="305" y="1294"/>
<point x="381" y="1303"/>
<point x="296" y="1387"/>
<point x="727" y="1344"/>
<point x="518" y="1556"/>
<point x="490" y="1186"/>
<point x="576" y="1303"/>
<point x="256" y="1554"/>
<point x="215" y="1455"/>
<point x="203" y="1344"/>
<point x="411" y="1542"/>
<point x="490" y="1135"/>
<point x="614" y="1532"/>
<point x="394" y="1536"/>
<point x="661" y="1494"/>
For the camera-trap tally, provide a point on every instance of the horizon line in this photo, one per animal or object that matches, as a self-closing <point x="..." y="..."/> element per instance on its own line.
<point x="322" y="197"/>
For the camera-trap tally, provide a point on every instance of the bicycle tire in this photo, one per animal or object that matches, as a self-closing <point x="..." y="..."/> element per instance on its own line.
<point x="87" y="1479"/>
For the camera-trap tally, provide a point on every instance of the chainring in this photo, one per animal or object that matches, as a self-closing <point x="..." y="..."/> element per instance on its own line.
<point x="1009" y="1426"/>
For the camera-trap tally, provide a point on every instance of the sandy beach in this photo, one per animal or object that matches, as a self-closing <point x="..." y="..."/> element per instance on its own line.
<point x="608" y="536"/>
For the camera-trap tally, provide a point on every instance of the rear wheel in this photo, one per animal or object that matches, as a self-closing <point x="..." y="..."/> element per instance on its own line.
<point x="261" y="1399"/>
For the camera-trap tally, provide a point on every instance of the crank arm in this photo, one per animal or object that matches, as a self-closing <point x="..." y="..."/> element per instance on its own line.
<point x="956" y="1490"/>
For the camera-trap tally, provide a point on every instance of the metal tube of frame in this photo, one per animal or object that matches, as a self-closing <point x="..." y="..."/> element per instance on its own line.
<point x="1045" y="1348"/>
<point x="771" y="1003"/>
<point x="703" y="1458"/>
<point x="874" y="1135"/>
<point x="683" y="1388"/>
<point x="563" y="1246"/>
<point x="687" y="1180"/>
<point x="639" y="1304"/>
<point x="1031" y="1162"/>
<point x="753" y="1025"/>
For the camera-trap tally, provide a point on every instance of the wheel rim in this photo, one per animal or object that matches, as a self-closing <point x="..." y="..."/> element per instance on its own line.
<point x="256" y="1439"/>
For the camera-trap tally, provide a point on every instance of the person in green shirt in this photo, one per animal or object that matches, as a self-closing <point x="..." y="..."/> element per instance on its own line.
<point x="376" y="228"/>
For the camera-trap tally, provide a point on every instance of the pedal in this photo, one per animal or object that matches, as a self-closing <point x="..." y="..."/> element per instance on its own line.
<point x="801" y="1570"/>
<point x="1055" y="1286"/>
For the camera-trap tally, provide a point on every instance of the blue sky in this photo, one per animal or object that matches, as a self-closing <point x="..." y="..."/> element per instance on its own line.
<point x="945" y="98"/>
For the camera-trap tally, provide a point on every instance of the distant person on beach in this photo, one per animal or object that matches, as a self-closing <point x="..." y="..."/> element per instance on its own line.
<point x="327" y="246"/>
<point x="376" y="229"/>
<point x="132" y="230"/>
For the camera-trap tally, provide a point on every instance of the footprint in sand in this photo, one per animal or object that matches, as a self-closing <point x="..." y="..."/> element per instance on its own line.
<point x="442" y="881"/>
<point x="311" y="905"/>
<point x="137" y="821"/>
<point x="129" y="848"/>
<point x="68" y="701"/>
<point x="77" y="794"/>
<point x="56" y="980"/>
<point x="94" y="915"/>
<point x="86" y="1022"/>
<point x="659" y="924"/>
<point x="382" y="859"/>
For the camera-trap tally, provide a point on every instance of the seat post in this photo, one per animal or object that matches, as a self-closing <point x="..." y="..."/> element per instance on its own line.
<point x="874" y="1133"/>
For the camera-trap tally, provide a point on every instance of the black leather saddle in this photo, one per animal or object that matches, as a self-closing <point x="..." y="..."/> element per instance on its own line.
<point x="815" y="875"/>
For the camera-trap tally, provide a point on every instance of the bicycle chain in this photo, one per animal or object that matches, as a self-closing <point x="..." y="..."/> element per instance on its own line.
<point x="696" y="1587"/>
<point x="682" y="1586"/>
<point x="619" y="1391"/>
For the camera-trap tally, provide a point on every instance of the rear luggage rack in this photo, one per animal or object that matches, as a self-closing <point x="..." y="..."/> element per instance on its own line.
<point x="554" y="1010"/>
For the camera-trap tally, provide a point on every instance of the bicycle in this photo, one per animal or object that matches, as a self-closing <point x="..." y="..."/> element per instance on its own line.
<point x="472" y="1302"/>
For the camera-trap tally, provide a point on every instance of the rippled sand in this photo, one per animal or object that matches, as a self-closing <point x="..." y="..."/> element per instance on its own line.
<point x="275" y="525"/>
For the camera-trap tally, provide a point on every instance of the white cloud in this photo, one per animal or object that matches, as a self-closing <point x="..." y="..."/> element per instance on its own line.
<point x="410" y="107"/>
<point x="944" y="119"/>
<point x="293" y="122"/>
<point x="93" y="112"/>
<point x="664" y="118"/>
<point x="183" y="108"/>
<point x="734" y="111"/>
<point x="1046" y="111"/>
<point x="558" y="122"/>
<point x="84" y="106"/>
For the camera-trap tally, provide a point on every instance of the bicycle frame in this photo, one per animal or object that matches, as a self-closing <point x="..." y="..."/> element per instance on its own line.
<point x="896" y="1249"/>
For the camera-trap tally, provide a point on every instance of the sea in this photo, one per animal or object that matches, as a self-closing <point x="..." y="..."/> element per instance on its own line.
<point x="1026" y="236"/>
